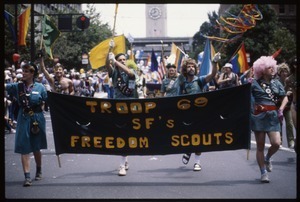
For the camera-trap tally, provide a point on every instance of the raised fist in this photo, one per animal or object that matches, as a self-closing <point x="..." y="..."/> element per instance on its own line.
<point x="112" y="44"/>
<point x="111" y="57"/>
<point x="216" y="57"/>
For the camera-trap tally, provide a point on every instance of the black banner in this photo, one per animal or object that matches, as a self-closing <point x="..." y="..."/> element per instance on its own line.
<point x="213" y="121"/>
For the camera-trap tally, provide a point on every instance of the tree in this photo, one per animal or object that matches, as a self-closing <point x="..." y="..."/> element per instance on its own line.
<point x="70" y="46"/>
<point x="267" y="36"/>
<point x="208" y="29"/>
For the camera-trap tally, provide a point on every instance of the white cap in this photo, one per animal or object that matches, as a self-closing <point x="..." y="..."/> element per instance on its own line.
<point x="7" y="77"/>
<point x="22" y="64"/>
<point x="228" y="65"/>
<point x="19" y="71"/>
<point x="19" y="76"/>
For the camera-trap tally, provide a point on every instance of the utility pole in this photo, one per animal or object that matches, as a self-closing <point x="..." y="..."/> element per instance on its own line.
<point x="16" y="28"/>
<point x="32" y="45"/>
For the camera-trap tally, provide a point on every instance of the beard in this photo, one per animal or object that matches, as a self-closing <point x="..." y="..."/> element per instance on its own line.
<point x="191" y="73"/>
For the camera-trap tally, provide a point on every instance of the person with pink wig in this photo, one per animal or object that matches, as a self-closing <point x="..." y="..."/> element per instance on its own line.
<point x="269" y="100"/>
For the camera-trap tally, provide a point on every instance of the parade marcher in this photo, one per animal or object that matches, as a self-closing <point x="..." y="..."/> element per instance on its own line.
<point x="58" y="83"/>
<point x="228" y="78"/>
<point x="291" y="85"/>
<point x="124" y="82"/>
<point x="269" y="102"/>
<point x="31" y="127"/>
<point x="247" y="76"/>
<point x="107" y="85"/>
<point x="168" y="86"/>
<point x="141" y="84"/>
<point x="77" y="83"/>
<point x="283" y="72"/>
<point x="7" y="120"/>
<point x="189" y="83"/>
<point x="13" y="107"/>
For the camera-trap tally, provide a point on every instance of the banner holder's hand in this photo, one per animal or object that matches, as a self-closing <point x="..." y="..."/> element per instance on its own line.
<point x="111" y="57"/>
<point x="216" y="57"/>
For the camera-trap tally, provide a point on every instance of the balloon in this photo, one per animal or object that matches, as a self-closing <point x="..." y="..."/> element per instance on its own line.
<point x="16" y="57"/>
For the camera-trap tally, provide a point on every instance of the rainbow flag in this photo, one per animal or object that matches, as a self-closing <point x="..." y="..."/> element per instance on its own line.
<point x="8" y="17"/>
<point x="179" y="58"/>
<point x="23" y="27"/>
<point x="239" y="60"/>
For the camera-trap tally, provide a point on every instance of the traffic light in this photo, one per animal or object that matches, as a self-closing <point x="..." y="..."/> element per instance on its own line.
<point x="65" y="23"/>
<point x="83" y="22"/>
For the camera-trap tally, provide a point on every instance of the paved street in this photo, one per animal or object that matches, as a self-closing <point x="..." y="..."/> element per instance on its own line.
<point x="224" y="175"/>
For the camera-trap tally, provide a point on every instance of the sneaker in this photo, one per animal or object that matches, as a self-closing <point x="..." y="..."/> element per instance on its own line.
<point x="291" y="145"/>
<point x="265" y="178"/>
<point x="122" y="171"/>
<point x="186" y="158"/>
<point x="197" y="167"/>
<point x="269" y="166"/>
<point x="126" y="165"/>
<point x="27" y="182"/>
<point x="38" y="176"/>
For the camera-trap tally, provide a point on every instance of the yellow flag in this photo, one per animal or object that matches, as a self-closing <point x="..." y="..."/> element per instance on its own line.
<point x="173" y="49"/>
<point x="172" y="58"/>
<point x="99" y="53"/>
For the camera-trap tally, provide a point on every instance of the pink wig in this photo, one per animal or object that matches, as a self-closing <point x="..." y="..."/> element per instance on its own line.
<point x="261" y="64"/>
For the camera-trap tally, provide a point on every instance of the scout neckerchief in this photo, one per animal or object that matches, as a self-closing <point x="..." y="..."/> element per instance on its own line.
<point x="24" y="95"/>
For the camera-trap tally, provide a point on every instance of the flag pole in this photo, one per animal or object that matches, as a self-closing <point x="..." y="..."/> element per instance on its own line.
<point x="115" y="19"/>
<point x="114" y="26"/>
<point x="41" y="44"/>
<point x="237" y="50"/>
<point x="181" y="51"/>
<point x="58" y="159"/>
<point x="248" y="154"/>
<point x="162" y="54"/>
<point x="42" y="36"/>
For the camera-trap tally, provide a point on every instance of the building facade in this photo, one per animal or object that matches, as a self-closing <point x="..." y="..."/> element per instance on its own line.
<point x="156" y="20"/>
<point x="156" y="34"/>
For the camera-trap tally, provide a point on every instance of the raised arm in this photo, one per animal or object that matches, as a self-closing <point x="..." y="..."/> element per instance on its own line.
<point x="213" y="73"/>
<point x="115" y="63"/>
<point x="45" y="72"/>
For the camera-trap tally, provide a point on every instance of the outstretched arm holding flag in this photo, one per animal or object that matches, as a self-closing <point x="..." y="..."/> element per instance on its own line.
<point x="214" y="61"/>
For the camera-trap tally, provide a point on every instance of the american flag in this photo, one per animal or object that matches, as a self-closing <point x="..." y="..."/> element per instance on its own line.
<point x="161" y="69"/>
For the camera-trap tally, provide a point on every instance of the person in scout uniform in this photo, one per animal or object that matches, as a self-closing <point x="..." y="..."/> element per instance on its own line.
<point x="31" y="127"/>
